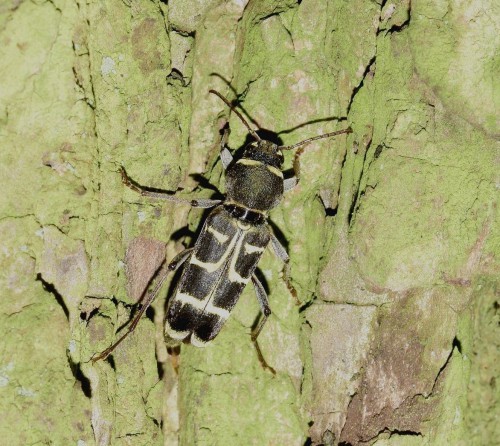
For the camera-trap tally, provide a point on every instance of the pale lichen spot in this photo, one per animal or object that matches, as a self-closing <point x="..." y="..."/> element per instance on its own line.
<point x="240" y="3"/>
<point x="303" y="84"/>
<point x="108" y="66"/>
<point x="70" y="167"/>
<point x="141" y="216"/>
<point x="22" y="391"/>
<point x="389" y="10"/>
<point x="4" y="376"/>
<point x="268" y="274"/>
<point x="360" y="71"/>
<point x="301" y="45"/>
<point x="72" y="346"/>
<point x="458" y="416"/>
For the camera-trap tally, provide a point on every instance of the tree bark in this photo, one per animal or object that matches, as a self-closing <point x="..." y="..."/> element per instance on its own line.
<point x="392" y="231"/>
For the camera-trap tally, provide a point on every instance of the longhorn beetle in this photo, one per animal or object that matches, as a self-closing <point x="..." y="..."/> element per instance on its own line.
<point x="228" y="249"/>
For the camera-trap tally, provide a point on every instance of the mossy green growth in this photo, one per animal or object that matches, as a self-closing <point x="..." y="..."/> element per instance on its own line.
<point x="45" y="160"/>
<point x="455" y="48"/>
<point x="427" y="186"/>
<point x="41" y="397"/>
<point x="482" y="324"/>
<point x="410" y="200"/>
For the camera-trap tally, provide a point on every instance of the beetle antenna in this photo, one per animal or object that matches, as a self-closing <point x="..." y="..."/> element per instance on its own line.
<point x="326" y="135"/>
<point x="252" y="131"/>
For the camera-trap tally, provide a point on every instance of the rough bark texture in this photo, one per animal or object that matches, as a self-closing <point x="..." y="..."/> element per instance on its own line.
<point x="393" y="232"/>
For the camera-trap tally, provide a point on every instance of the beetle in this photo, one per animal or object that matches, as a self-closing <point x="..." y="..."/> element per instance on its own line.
<point x="232" y="240"/>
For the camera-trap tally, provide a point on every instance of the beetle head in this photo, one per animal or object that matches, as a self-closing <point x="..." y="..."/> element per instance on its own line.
<point x="264" y="151"/>
<point x="267" y="151"/>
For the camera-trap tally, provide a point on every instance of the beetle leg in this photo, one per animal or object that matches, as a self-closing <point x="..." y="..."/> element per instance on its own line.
<point x="225" y="155"/>
<point x="290" y="183"/>
<point x="161" y="195"/>
<point x="162" y="274"/>
<point x="260" y="292"/>
<point x="280" y="252"/>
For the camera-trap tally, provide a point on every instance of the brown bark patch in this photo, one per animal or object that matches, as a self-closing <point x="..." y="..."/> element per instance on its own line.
<point x="404" y="365"/>
<point x="143" y="258"/>
<point x="144" y="46"/>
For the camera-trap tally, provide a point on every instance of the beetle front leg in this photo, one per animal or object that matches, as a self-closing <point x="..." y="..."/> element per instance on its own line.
<point x="260" y="292"/>
<point x="204" y="203"/>
<point x="225" y="155"/>
<point x="290" y="183"/>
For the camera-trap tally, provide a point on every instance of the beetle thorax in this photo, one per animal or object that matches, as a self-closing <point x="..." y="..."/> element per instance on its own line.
<point x="256" y="181"/>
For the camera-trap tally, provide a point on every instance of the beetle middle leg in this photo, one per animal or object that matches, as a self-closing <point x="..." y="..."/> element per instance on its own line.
<point x="281" y="253"/>
<point x="260" y="292"/>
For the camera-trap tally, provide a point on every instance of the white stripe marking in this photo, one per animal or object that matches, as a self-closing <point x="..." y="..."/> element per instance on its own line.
<point x="250" y="249"/>
<point x="274" y="170"/>
<point x="203" y="305"/>
<point x="249" y="162"/>
<point x="206" y="304"/>
<point x="175" y="334"/>
<point x="219" y="236"/>
<point x="232" y="275"/>
<point x="197" y="342"/>
<point x="210" y="267"/>
<point x="242" y="225"/>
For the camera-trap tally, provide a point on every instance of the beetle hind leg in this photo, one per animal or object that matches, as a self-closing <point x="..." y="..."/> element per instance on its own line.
<point x="266" y="312"/>
<point x="162" y="275"/>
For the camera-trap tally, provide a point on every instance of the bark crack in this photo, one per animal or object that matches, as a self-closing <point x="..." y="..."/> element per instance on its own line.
<point x="368" y="70"/>
<point x="50" y="288"/>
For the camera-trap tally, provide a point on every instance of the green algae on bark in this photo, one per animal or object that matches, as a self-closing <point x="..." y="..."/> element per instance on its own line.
<point x="392" y="231"/>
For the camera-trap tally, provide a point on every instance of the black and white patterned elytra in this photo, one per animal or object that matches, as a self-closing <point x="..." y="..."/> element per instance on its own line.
<point x="223" y="260"/>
